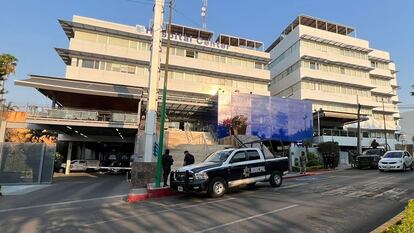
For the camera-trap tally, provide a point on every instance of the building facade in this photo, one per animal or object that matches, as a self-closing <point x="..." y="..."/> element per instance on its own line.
<point x="326" y="63"/>
<point x="100" y="104"/>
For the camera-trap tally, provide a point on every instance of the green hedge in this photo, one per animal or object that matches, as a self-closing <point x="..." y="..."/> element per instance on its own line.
<point x="407" y="223"/>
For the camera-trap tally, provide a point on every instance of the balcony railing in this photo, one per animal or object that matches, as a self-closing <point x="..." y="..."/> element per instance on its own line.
<point x="342" y="133"/>
<point x="81" y="115"/>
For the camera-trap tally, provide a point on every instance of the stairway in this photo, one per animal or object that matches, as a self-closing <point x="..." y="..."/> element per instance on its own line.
<point x="199" y="144"/>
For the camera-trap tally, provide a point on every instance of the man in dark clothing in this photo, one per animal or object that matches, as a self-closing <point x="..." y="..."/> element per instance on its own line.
<point x="188" y="158"/>
<point x="167" y="161"/>
<point x="374" y="144"/>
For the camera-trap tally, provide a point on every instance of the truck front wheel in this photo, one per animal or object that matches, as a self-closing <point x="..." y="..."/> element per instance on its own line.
<point x="217" y="187"/>
<point x="276" y="179"/>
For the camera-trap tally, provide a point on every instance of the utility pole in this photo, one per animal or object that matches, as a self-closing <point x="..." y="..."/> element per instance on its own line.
<point x="204" y="13"/>
<point x="154" y="70"/>
<point x="164" y="100"/>
<point x="385" y="125"/>
<point x="359" y="149"/>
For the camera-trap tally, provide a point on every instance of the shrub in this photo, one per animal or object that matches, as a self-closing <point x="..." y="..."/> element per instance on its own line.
<point x="407" y="223"/>
<point x="313" y="160"/>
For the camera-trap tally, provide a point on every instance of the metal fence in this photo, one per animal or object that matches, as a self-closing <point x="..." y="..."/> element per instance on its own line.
<point x="26" y="163"/>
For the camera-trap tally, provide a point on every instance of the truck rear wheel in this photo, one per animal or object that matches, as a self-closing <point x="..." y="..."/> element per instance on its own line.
<point x="276" y="179"/>
<point x="217" y="187"/>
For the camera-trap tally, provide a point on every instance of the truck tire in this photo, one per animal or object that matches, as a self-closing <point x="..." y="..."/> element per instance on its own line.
<point x="61" y="170"/>
<point x="276" y="179"/>
<point x="217" y="187"/>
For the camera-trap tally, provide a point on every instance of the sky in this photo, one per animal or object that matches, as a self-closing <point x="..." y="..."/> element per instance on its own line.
<point x="30" y="30"/>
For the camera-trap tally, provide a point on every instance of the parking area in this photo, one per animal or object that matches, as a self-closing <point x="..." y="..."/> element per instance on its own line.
<point x="341" y="201"/>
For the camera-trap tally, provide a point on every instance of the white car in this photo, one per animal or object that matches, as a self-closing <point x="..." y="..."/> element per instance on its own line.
<point x="396" y="160"/>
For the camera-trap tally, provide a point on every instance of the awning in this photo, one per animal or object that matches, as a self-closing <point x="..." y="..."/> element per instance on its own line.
<point x="79" y="94"/>
<point x="80" y="87"/>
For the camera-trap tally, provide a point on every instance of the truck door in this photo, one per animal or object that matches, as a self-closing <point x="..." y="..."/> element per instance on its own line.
<point x="256" y="165"/>
<point x="237" y="166"/>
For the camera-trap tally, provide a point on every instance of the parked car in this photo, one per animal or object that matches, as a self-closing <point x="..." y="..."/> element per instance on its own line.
<point x="396" y="160"/>
<point x="370" y="158"/>
<point x="80" y="165"/>
<point x="229" y="168"/>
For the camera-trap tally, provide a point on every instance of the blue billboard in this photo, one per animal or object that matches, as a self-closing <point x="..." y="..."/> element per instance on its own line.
<point x="267" y="117"/>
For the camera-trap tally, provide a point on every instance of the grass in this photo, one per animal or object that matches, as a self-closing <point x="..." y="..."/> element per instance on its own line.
<point x="406" y="225"/>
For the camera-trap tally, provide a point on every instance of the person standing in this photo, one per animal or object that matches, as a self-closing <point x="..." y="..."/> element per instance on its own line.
<point x="303" y="161"/>
<point x="188" y="158"/>
<point x="374" y="144"/>
<point x="167" y="162"/>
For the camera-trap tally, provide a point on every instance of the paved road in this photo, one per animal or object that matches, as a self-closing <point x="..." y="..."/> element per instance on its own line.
<point x="342" y="201"/>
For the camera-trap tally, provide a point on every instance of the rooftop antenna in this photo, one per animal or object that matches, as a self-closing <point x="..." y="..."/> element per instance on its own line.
<point x="204" y="13"/>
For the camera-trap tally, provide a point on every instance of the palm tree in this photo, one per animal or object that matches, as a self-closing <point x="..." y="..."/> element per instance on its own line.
<point x="7" y="66"/>
<point x="38" y="135"/>
<point x="10" y="106"/>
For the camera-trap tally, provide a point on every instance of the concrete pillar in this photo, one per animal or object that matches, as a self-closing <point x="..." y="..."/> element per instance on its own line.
<point x="3" y="126"/>
<point x="136" y="145"/>
<point x="68" y="159"/>
<point x="155" y="60"/>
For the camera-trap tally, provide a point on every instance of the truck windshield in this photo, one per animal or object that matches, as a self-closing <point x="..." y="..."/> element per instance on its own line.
<point x="218" y="156"/>
<point x="393" y="155"/>
<point x="373" y="152"/>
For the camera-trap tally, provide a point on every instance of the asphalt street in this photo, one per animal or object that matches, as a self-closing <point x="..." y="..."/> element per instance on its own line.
<point x="340" y="201"/>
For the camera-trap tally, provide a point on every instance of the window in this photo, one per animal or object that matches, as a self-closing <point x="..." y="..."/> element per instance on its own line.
<point x="312" y="65"/>
<point x="238" y="157"/>
<point x="191" y="53"/>
<point x="88" y="63"/>
<point x="259" y="66"/>
<point x="253" y="155"/>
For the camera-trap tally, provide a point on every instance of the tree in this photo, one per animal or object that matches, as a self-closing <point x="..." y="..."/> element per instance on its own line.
<point x="39" y="136"/>
<point x="10" y="106"/>
<point x="7" y="66"/>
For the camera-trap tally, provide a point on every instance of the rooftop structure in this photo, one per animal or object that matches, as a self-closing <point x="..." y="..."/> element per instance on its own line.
<point x="313" y="22"/>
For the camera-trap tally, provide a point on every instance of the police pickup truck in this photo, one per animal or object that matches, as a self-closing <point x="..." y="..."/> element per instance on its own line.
<point x="227" y="169"/>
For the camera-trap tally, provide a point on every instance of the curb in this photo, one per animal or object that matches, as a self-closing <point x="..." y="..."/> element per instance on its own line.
<point x="389" y="223"/>
<point x="300" y="175"/>
<point x="137" y="195"/>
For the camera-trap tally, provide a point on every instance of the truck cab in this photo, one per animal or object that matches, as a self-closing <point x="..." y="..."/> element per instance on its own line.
<point x="227" y="169"/>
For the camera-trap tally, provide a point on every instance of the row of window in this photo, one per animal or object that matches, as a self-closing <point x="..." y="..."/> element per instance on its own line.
<point x="339" y="108"/>
<point x="380" y="99"/>
<point x="111" y="66"/>
<point x="286" y="72"/>
<point x="380" y="82"/>
<point x="247" y="64"/>
<point x="285" y="54"/>
<point x="379" y="116"/>
<point x="145" y="46"/>
<point x="235" y="84"/>
<point x="288" y="92"/>
<point x="173" y="75"/>
<point x="334" y="88"/>
<point x="335" y="69"/>
<point x="111" y="40"/>
<point x="375" y="134"/>
<point x="334" y="49"/>
<point x="379" y="65"/>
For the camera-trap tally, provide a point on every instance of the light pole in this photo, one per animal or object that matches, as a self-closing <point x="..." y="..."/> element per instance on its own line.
<point x="164" y="100"/>
<point x="359" y="149"/>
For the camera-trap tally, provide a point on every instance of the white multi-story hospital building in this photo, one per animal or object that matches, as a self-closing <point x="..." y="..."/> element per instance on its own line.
<point x="326" y="63"/>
